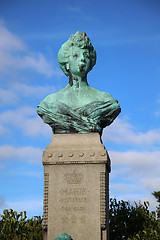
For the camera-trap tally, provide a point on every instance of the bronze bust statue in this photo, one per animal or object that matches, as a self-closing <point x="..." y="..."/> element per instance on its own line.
<point x="63" y="236"/>
<point x="78" y="108"/>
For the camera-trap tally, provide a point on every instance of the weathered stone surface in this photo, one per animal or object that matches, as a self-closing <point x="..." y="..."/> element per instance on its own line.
<point x="76" y="176"/>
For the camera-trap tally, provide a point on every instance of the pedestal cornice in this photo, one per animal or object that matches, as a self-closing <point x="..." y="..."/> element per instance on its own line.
<point x="76" y="149"/>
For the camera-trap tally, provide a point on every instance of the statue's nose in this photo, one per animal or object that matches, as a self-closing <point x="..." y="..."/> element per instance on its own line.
<point x="82" y="58"/>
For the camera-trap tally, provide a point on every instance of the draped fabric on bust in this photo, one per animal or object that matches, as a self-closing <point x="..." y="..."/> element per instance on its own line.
<point x="92" y="117"/>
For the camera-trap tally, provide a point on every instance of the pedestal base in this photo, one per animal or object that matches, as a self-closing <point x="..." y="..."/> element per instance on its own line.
<point x="76" y="178"/>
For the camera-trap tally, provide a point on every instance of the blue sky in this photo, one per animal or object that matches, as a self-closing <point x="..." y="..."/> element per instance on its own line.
<point x="126" y="36"/>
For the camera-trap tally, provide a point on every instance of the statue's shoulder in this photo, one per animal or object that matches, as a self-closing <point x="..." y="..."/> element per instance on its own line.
<point x="50" y="97"/>
<point x="54" y="96"/>
<point x="99" y="95"/>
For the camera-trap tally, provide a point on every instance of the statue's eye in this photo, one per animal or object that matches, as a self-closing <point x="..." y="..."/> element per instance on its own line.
<point x="75" y="55"/>
<point x="86" y="55"/>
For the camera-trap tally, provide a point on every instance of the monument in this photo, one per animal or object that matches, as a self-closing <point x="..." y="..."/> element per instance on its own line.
<point x="76" y="163"/>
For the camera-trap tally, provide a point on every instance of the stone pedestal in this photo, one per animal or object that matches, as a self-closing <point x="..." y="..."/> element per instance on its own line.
<point x="76" y="179"/>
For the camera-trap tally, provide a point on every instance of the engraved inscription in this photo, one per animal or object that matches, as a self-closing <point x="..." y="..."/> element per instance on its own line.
<point x="73" y="199"/>
<point x="73" y="191"/>
<point x="72" y="208"/>
<point x="73" y="219"/>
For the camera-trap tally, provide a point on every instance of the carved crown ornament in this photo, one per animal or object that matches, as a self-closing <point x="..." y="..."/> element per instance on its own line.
<point x="73" y="177"/>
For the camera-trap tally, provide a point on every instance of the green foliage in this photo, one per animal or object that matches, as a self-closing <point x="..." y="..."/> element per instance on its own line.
<point x="152" y="230"/>
<point x="150" y="233"/>
<point x="127" y="222"/>
<point x="17" y="227"/>
<point x="157" y="196"/>
<point x="133" y="222"/>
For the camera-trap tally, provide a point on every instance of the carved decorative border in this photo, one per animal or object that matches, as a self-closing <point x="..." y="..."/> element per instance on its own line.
<point x="45" y="200"/>
<point x="73" y="162"/>
<point x="103" y="200"/>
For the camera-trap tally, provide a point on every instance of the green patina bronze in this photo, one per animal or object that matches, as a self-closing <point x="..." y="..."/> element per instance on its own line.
<point x="78" y="108"/>
<point x="63" y="236"/>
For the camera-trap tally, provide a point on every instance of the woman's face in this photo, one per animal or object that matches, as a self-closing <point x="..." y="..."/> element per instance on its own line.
<point x="79" y="61"/>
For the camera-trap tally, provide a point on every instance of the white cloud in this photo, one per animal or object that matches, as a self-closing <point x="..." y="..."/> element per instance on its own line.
<point x="38" y="62"/>
<point x="7" y="97"/>
<point x="35" y="127"/>
<point x="138" y="198"/>
<point x="16" y="91"/>
<point x="151" y="183"/>
<point x="21" y="171"/>
<point x="123" y="187"/>
<point x="157" y="113"/>
<point x="9" y="41"/>
<point x="2" y="130"/>
<point x="2" y="201"/>
<point x="33" y="206"/>
<point x="135" y="175"/>
<point x="23" y="154"/>
<point x="14" y="55"/>
<point x="139" y="163"/>
<point x="26" y="119"/>
<point x="123" y="132"/>
<point x="28" y="205"/>
<point x="28" y="90"/>
<point x="33" y="174"/>
<point x="139" y="190"/>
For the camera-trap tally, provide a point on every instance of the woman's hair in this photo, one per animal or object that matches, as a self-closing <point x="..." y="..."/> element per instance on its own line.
<point x="79" y="39"/>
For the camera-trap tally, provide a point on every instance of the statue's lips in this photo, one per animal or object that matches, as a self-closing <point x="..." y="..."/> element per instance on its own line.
<point x="82" y="67"/>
